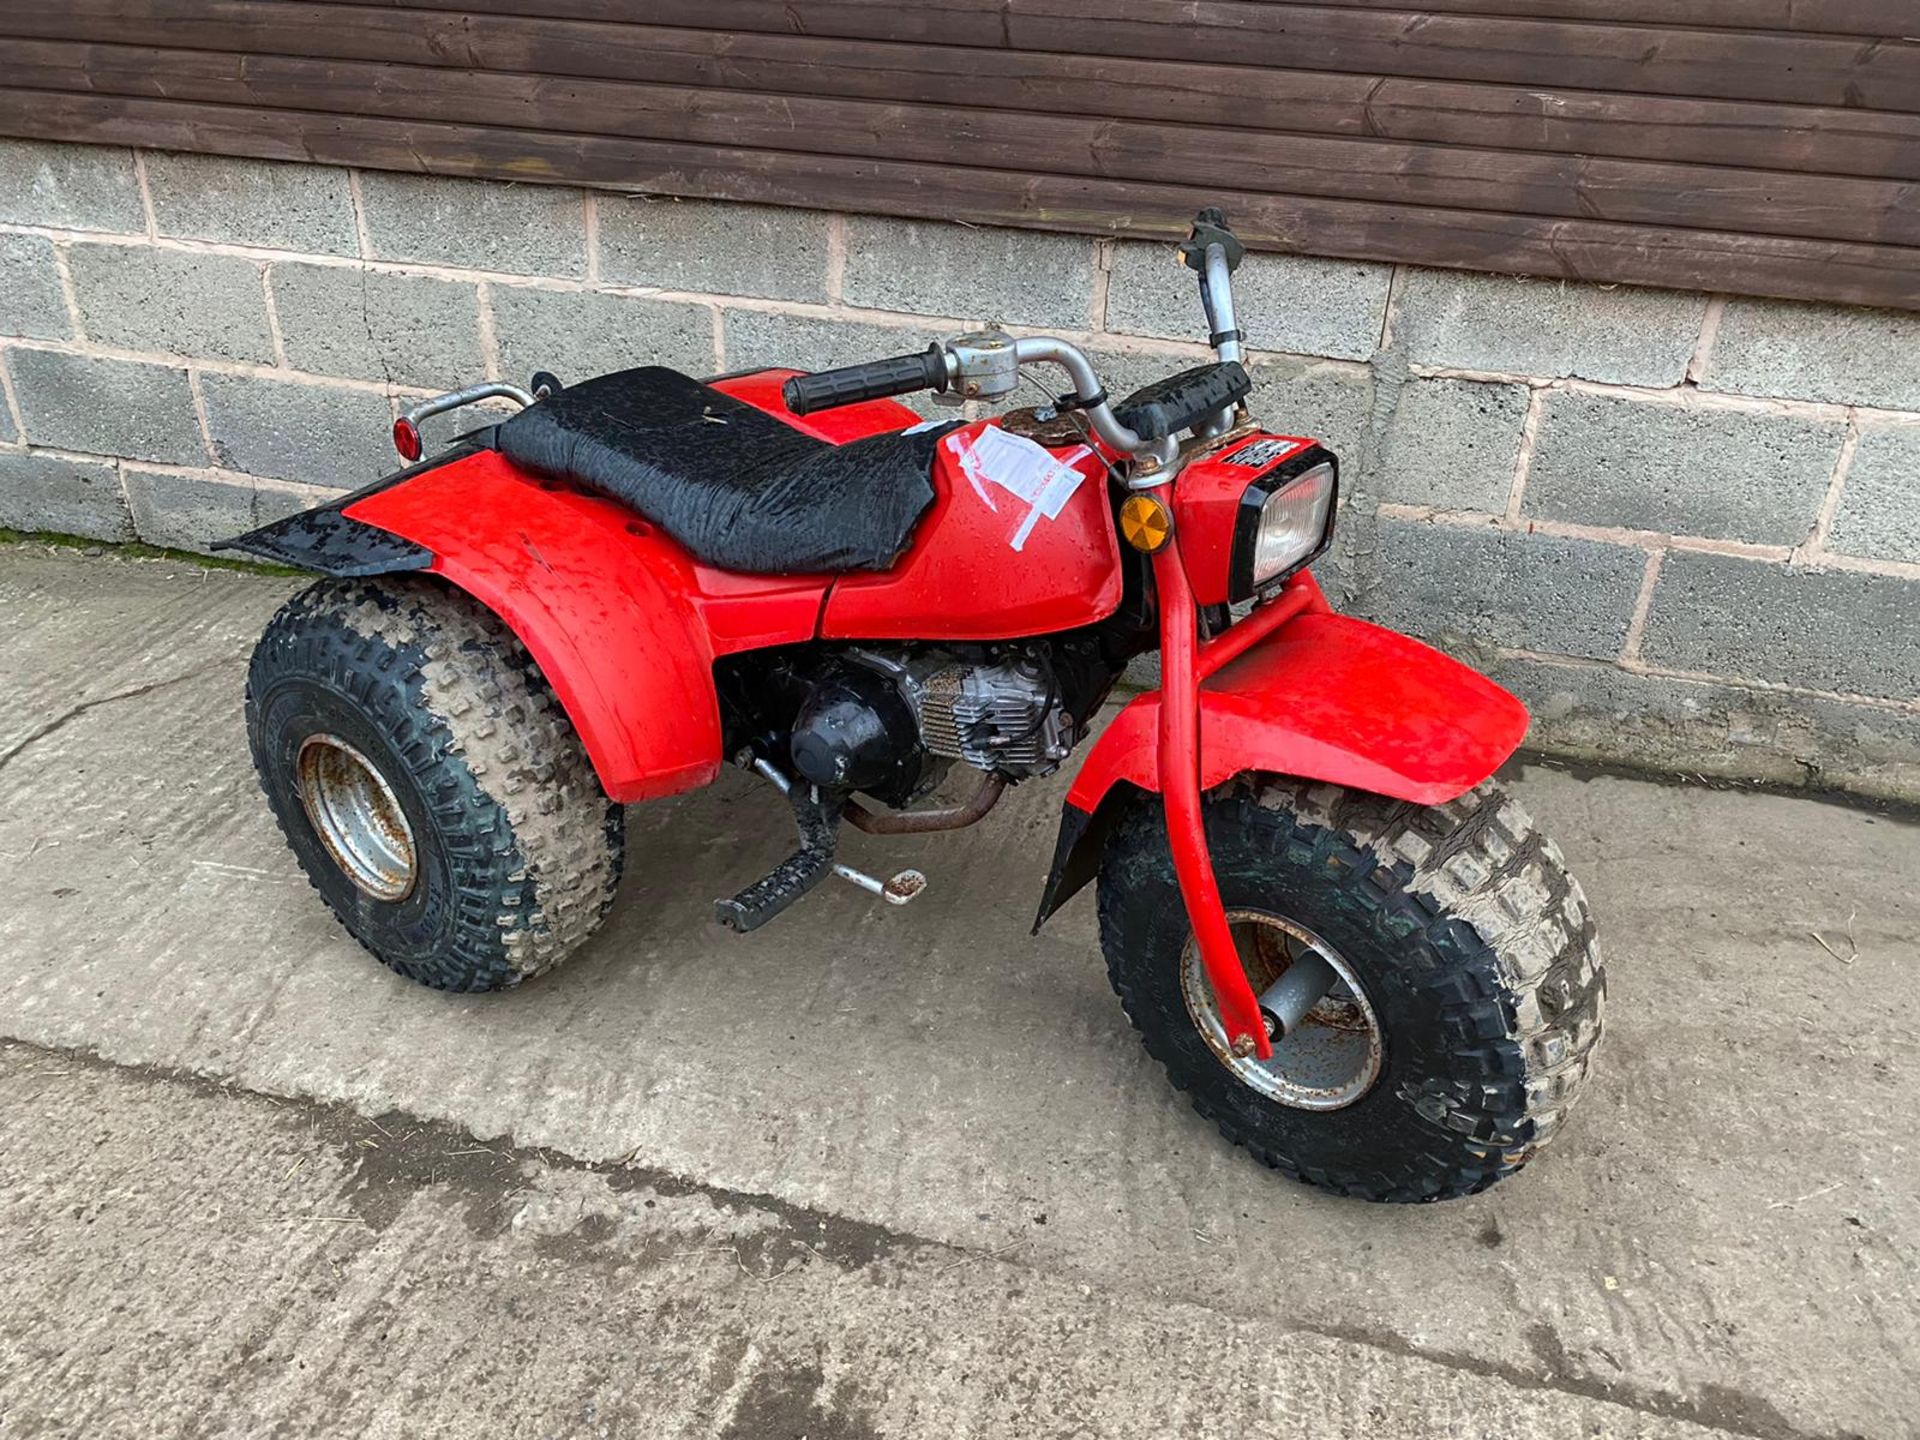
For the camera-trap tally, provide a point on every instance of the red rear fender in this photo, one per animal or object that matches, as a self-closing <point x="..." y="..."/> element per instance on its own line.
<point x="621" y="620"/>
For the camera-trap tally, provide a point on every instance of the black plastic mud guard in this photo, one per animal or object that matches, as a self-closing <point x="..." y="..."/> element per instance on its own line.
<point x="326" y="541"/>
<point x="1082" y="843"/>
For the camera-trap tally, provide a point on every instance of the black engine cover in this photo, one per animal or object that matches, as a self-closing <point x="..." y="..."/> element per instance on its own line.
<point x="855" y="731"/>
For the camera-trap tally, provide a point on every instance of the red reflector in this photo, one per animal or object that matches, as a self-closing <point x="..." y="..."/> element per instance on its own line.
<point x="406" y="439"/>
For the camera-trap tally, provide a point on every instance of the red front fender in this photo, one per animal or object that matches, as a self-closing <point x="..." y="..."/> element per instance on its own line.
<point x="1325" y="697"/>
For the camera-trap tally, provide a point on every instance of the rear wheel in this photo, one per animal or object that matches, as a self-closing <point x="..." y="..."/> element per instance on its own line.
<point x="429" y="783"/>
<point x="1465" y="991"/>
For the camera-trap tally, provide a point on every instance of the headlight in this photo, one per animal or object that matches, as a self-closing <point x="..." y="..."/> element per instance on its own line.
<point x="1285" y="520"/>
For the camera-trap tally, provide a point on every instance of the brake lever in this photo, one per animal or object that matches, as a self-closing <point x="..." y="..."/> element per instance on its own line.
<point x="1210" y="229"/>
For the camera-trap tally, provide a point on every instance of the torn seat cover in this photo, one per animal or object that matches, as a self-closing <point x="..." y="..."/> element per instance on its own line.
<point x="738" y="487"/>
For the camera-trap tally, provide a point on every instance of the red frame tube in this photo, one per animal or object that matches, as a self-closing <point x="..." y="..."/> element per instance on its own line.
<point x="1180" y="661"/>
<point x="1236" y="640"/>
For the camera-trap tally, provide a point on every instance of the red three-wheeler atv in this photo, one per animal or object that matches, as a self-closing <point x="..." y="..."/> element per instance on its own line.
<point x="1351" y="949"/>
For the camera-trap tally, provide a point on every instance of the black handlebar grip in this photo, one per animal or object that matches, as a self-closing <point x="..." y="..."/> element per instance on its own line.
<point x="874" y="380"/>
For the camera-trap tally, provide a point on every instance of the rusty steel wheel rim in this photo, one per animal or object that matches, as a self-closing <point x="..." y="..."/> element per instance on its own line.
<point x="1335" y="1056"/>
<point x="357" y="817"/>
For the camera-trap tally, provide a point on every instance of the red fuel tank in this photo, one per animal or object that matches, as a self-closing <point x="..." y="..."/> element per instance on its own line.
<point x="1020" y="541"/>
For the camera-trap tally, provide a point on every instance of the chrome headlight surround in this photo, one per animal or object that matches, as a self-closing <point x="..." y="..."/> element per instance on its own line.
<point x="1285" y="521"/>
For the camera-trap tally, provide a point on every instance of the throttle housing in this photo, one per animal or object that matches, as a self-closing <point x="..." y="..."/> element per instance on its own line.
<point x="871" y="380"/>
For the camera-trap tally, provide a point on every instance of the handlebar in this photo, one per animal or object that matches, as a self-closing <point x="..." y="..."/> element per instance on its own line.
<point x="1183" y="401"/>
<point x="984" y="366"/>
<point x="1215" y="252"/>
<point x="872" y="380"/>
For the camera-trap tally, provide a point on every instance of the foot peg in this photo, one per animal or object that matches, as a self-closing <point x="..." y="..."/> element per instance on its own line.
<point x="818" y="818"/>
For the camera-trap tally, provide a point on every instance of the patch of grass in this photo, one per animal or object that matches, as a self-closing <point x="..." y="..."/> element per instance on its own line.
<point x="135" y="550"/>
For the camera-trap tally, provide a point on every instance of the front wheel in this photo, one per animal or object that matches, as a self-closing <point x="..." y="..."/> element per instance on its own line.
<point x="1466" y="985"/>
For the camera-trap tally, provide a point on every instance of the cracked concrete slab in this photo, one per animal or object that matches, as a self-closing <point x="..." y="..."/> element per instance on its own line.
<point x="1725" y="1237"/>
<point x="305" y="1270"/>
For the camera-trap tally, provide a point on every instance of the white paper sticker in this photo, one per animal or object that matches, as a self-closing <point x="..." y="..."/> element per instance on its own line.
<point x="1024" y="469"/>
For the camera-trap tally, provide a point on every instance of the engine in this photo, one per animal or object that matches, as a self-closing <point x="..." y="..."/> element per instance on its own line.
<point x="878" y="718"/>
<point x="1007" y="715"/>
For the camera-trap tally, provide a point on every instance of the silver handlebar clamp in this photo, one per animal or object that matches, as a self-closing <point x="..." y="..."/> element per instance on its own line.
<point x="986" y="364"/>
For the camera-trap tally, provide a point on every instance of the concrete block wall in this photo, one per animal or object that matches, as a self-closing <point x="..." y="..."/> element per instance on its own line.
<point x="1685" y="527"/>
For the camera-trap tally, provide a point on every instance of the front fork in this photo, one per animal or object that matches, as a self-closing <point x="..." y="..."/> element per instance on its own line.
<point x="1184" y="663"/>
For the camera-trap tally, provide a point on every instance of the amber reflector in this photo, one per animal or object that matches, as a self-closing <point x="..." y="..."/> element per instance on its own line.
<point x="1145" y="523"/>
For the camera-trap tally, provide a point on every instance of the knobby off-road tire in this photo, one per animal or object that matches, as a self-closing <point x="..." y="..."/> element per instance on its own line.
<point x="1473" y="946"/>
<point x="517" y="851"/>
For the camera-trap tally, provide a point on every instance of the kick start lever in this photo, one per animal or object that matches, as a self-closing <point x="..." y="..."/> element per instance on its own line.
<point x="900" y="890"/>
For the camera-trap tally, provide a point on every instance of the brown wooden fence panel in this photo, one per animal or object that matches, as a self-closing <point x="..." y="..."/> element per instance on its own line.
<point x="1761" y="145"/>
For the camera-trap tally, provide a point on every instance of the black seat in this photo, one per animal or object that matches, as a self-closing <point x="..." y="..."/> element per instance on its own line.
<point x="741" y="489"/>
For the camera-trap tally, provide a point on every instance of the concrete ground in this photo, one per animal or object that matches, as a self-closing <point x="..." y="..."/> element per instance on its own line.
<point x="871" y="1172"/>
